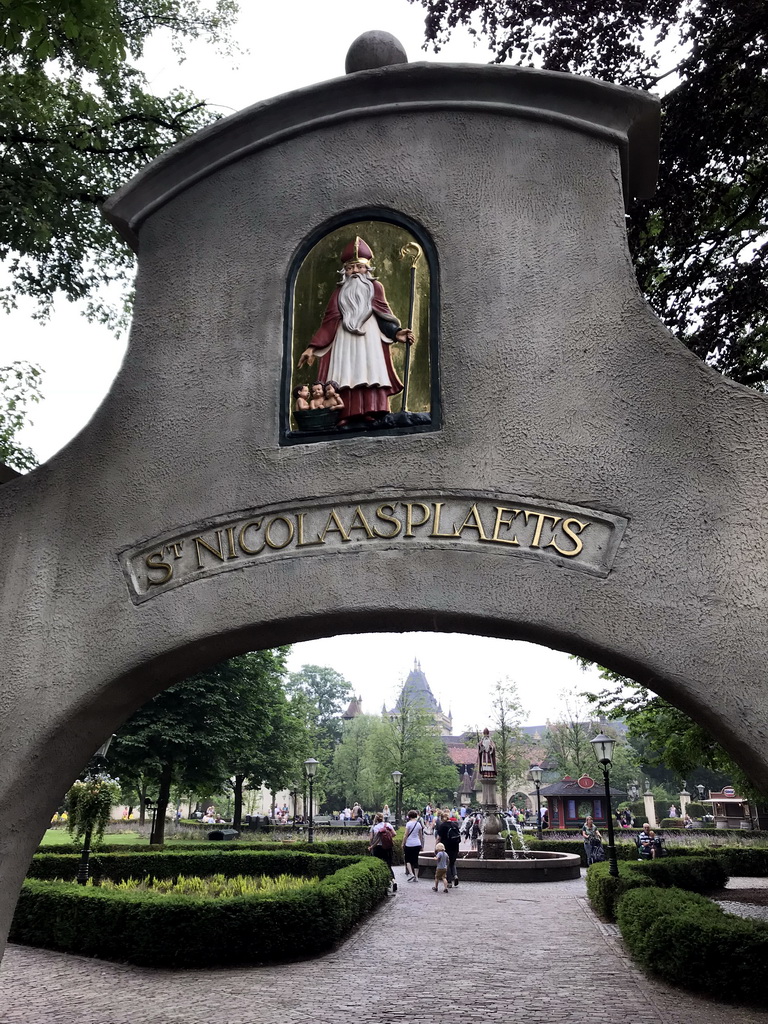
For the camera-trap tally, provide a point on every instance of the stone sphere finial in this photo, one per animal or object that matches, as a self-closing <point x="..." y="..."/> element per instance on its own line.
<point x="374" y="49"/>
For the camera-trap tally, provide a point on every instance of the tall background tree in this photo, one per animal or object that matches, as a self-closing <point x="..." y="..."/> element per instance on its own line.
<point x="319" y="695"/>
<point x="408" y="741"/>
<point x="227" y="723"/>
<point x="700" y="246"/>
<point x="77" y="120"/>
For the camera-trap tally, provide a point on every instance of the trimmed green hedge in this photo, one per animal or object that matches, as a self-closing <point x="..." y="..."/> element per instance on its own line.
<point x="694" y="874"/>
<point x="169" y="863"/>
<point x="341" y="847"/>
<point x="143" y="928"/>
<point x="624" y="850"/>
<point x="688" y="940"/>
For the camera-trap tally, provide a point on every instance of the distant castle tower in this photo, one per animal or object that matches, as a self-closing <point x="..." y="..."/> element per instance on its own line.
<point x="416" y="692"/>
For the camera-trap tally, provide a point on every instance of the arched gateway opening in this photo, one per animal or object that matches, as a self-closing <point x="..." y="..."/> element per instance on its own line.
<point x="566" y="471"/>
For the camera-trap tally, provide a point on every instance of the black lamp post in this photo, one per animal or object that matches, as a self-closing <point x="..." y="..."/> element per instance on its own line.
<point x="310" y="767"/>
<point x="397" y="778"/>
<point x="95" y="767"/>
<point x="536" y="773"/>
<point x="603" y="747"/>
<point x="151" y="805"/>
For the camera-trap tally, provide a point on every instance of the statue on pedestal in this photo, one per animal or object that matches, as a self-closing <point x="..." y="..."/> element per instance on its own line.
<point x="486" y="756"/>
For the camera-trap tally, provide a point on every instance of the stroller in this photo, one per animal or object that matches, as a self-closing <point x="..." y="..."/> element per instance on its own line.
<point x="593" y="847"/>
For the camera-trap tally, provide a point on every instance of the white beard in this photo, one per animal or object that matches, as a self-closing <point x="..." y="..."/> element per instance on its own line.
<point x="355" y="302"/>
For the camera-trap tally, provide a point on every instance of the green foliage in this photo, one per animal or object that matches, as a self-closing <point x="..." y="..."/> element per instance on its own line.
<point x="700" y="245"/>
<point x="19" y="388"/>
<point x="140" y="928"/>
<point x="604" y="891"/>
<point x="319" y="696"/>
<point x="688" y="940"/>
<point x="90" y="803"/>
<point x="78" y="120"/>
<point x="408" y="741"/>
<point x="211" y="887"/>
<point x="671" y="737"/>
<point x="233" y="719"/>
<point x="567" y="740"/>
<point x="352" y="777"/>
<point x="506" y="717"/>
<point x="694" y="874"/>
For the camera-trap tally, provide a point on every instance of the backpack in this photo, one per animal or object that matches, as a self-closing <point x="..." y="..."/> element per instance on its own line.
<point x="385" y="839"/>
<point x="453" y="835"/>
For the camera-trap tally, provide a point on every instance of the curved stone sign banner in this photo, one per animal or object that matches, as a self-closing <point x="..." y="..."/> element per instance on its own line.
<point x="580" y="538"/>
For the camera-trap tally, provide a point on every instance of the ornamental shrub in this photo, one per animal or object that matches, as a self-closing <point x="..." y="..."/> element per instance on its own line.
<point x="118" y="866"/>
<point x="688" y="940"/>
<point x="90" y="804"/>
<point x="141" y="928"/>
<point x="694" y="874"/>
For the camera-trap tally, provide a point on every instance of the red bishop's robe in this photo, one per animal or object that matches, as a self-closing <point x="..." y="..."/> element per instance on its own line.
<point x="365" y="398"/>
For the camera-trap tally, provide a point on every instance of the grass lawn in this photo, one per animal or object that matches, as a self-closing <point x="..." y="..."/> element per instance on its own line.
<point x="56" y="836"/>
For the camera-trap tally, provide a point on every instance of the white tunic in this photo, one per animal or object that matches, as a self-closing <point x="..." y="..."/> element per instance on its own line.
<point x="359" y="358"/>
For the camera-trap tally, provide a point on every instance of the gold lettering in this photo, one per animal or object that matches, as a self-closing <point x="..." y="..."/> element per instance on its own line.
<point x="500" y="521"/>
<point x="338" y="528"/>
<point x="478" y="524"/>
<point x="541" y="516"/>
<point x="300" y="542"/>
<point x="200" y="543"/>
<point x="153" y="562"/>
<point x="231" y="542"/>
<point x="409" y="523"/>
<point x="176" y="546"/>
<point x="380" y="514"/>
<point x="436" y="526"/>
<point x="577" y="541"/>
<point x="268" y="528"/>
<point x="362" y="525"/>
<point x="256" y="524"/>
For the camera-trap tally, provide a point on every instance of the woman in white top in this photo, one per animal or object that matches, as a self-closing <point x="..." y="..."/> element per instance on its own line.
<point x="412" y="843"/>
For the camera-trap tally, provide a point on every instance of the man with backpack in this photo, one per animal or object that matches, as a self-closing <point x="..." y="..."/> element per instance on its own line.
<point x="382" y="844"/>
<point x="449" y="835"/>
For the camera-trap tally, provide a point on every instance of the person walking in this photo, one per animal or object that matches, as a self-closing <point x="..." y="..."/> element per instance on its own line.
<point x="593" y="841"/>
<point x="412" y="844"/>
<point x="450" y="836"/>
<point x="382" y="844"/>
<point x="441" y="868"/>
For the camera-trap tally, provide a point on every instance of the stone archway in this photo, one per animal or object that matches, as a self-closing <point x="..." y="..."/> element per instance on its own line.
<point x="588" y="483"/>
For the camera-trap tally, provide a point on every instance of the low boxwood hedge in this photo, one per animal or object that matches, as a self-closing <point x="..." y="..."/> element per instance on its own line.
<point x="342" y="847"/>
<point x="688" y="940"/>
<point x="169" y="863"/>
<point x="694" y="874"/>
<point x="143" y="928"/>
<point x="624" y="850"/>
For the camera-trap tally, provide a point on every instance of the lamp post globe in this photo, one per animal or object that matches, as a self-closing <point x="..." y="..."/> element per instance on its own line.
<point x="536" y="772"/>
<point x="310" y="769"/>
<point x="603" y="747"/>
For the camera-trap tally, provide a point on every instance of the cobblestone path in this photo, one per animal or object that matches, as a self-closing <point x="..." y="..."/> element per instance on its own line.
<point x="526" y="953"/>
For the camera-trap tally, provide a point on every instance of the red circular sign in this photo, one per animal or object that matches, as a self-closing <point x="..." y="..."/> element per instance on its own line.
<point x="585" y="782"/>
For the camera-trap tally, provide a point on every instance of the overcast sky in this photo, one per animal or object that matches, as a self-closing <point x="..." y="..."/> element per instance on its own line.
<point x="290" y="46"/>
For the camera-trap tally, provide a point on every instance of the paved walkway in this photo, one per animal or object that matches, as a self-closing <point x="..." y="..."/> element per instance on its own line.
<point x="421" y="957"/>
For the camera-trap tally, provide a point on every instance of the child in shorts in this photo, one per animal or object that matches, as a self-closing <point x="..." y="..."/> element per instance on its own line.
<point x="441" y="870"/>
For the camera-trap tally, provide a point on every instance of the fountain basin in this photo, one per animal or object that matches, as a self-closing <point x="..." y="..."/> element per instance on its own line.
<point x="538" y="866"/>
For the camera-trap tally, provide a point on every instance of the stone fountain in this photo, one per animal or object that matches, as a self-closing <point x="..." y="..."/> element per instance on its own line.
<point x="492" y="862"/>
